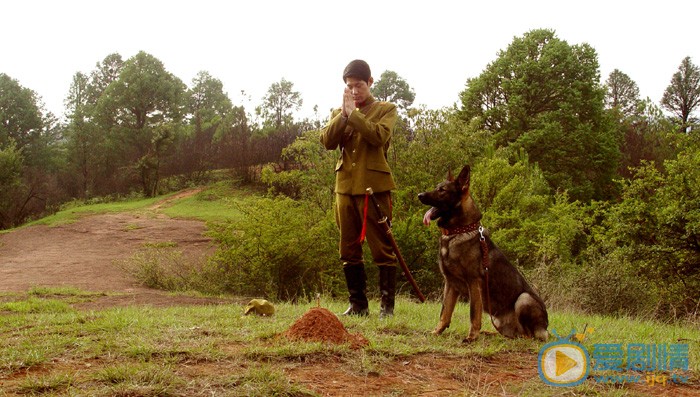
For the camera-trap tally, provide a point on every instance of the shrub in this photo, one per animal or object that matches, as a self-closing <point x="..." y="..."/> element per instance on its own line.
<point x="281" y="249"/>
<point x="165" y="267"/>
<point x="602" y="285"/>
<point x="656" y="227"/>
<point x="513" y="199"/>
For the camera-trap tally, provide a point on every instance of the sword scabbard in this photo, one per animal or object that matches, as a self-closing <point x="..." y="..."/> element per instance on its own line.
<point x="386" y="224"/>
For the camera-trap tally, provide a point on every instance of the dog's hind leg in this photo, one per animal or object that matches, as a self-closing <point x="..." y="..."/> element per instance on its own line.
<point x="531" y="317"/>
<point x="449" y="301"/>
<point x="507" y="324"/>
<point x="476" y="307"/>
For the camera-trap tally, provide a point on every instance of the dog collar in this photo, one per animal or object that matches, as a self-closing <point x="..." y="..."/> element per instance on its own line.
<point x="461" y="229"/>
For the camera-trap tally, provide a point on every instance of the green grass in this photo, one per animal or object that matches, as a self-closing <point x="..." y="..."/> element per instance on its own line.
<point x="50" y="348"/>
<point x="217" y="202"/>
<point x="203" y="350"/>
<point x="74" y="211"/>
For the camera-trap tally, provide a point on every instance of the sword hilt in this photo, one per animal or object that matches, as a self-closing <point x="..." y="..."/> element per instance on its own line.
<point x="382" y="218"/>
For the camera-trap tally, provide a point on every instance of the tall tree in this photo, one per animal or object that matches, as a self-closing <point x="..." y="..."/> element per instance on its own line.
<point x="10" y="182"/>
<point x="20" y="115"/>
<point x="141" y="109"/>
<point x="622" y="93"/>
<point x="544" y="95"/>
<point x="233" y="142"/>
<point x="104" y="74"/>
<point x="645" y="138"/>
<point x="393" y="88"/>
<point x="279" y="104"/>
<point x="83" y="139"/>
<point x="682" y="96"/>
<point x="92" y="162"/>
<point x="209" y="108"/>
<point x="28" y="136"/>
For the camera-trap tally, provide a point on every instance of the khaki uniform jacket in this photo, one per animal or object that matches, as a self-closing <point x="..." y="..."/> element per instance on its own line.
<point x="363" y="139"/>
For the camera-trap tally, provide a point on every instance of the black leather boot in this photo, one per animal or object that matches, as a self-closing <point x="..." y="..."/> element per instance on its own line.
<point x="387" y="287"/>
<point x="356" y="280"/>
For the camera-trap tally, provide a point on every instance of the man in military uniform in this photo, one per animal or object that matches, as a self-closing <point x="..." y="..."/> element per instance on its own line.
<point x="361" y="129"/>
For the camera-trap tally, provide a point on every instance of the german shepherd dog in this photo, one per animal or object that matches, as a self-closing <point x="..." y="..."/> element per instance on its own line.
<point x="473" y="266"/>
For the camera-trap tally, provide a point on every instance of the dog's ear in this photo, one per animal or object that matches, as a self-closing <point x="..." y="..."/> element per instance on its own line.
<point x="450" y="178"/>
<point x="464" y="177"/>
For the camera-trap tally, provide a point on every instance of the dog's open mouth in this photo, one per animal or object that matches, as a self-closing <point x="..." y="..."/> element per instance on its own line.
<point x="430" y="214"/>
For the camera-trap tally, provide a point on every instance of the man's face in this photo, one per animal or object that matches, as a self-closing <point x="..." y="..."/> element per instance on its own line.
<point x="359" y="88"/>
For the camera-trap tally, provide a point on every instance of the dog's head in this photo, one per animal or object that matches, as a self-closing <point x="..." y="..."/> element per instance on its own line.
<point x="451" y="202"/>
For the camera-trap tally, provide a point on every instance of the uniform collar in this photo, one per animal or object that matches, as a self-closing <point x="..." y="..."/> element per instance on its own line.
<point x="367" y="102"/>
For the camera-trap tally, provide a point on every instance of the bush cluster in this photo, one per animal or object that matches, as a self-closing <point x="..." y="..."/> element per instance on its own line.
<point x="635" y="255"/>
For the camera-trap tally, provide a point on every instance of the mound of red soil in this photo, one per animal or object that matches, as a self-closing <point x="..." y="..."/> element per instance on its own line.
<point x="319" y="324"/>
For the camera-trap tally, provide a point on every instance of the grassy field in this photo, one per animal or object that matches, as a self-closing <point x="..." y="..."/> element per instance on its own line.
<point x="51" y="348"/>
<point x="215" y="202"/>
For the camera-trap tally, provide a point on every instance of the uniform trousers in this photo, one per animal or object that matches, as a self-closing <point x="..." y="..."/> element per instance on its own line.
<point x="349" y="215"/>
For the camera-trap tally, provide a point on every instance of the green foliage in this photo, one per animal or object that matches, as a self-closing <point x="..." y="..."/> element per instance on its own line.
<point x="635" y="256"/>
<point x="682" y="96"/>
<point x="602" y="284"/>
<point x="278" y="104"/>
<point x="280" y="249"/>
<point x="622" y="93"/>
<point x="656" y="226"/>
<point x="72" y="210"/>
<point x="141" y="111"/>
<point x="418" y="245"/>
<point x="29" y="154"/>
<point x="566" y="246"/>
<point x="85" y="144"/>
<point x="422" y="155"/>
<point x="10" y="180"/>
<point x="514" y="199"/>
<point x="165" y="267"/>
<point x="92" y="159"/>
<point x="311" y="174"/>
<point x="543" y="95"/>
<point x="647" y="136"/>
<point x="392" y="88"/>
<point x="20" y="114"/>
<point x="212" y="115"/>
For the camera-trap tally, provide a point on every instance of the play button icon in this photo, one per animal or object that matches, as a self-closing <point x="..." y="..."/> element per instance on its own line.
<point x="563" y="363"/>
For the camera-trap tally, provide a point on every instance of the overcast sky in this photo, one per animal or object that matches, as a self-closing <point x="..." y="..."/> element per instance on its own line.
<point x="434" y="45"/>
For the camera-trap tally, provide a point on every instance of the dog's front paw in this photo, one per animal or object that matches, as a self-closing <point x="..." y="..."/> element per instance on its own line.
<point x="439" y="329"/>
<point x="471" y="338"/>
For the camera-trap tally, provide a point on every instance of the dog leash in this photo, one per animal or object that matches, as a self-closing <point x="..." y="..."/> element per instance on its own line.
<point x="485" y="265"/>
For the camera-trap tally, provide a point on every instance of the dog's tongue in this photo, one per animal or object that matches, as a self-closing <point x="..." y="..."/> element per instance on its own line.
<point x="428" y="214"/>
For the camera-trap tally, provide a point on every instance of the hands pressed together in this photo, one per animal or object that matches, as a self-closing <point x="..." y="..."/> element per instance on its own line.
<point x="348" y="102"/>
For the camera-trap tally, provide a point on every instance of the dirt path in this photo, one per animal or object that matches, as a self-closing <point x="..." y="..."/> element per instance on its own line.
<point x="84" y="254"/>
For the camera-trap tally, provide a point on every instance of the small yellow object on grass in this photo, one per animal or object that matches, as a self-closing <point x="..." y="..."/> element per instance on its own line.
<point x="260" y="307"/>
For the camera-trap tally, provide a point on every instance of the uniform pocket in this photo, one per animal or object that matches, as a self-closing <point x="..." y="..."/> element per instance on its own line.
<point x="380" y="166"/>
